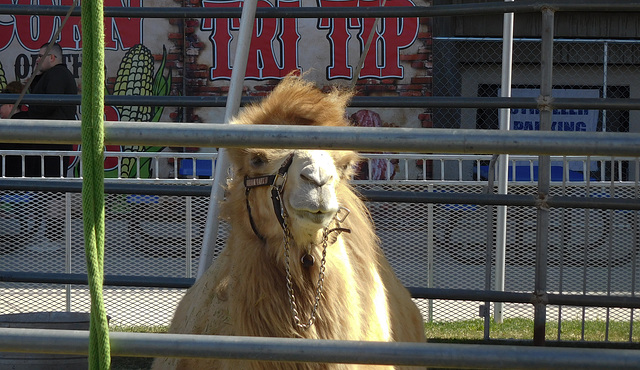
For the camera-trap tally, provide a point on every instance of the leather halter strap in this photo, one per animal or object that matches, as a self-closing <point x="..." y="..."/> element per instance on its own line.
<point x="277" y="182"/>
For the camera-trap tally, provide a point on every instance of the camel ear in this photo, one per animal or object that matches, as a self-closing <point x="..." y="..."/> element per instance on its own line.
<point x="236" y="157"/>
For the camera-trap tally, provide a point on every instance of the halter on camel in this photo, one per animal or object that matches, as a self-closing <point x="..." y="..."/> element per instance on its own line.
<point x="277" y="182"/>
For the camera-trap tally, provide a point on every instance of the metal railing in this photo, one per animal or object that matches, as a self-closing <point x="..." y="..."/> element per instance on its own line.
<point x="445" y="141"/>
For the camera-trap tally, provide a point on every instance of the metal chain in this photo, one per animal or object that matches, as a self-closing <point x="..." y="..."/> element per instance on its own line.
<point x="292" y="298"/>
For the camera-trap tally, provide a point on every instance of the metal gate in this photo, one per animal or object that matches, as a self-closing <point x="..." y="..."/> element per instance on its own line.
<point x="588" y="258"/>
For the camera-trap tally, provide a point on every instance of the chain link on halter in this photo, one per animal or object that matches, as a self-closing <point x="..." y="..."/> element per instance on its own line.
<point x="277" y="182"/>
<point x="339" y="217"/>
<point x="292" y="297"/>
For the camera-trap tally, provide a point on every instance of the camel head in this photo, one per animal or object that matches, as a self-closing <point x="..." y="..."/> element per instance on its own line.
<point x="310" y="183"/>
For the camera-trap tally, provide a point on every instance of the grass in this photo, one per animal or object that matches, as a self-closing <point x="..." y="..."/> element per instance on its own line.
<point x="135" y="363"/>
<point x="522" y="329"/>
<point x="140" y="328"/>
<point x="458" y="331"/>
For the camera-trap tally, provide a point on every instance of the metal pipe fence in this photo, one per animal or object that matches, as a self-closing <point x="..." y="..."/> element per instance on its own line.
<point x="416" y="292"/>
<point x="399" y="140"/>
<point x="390" y="139"/>
<point x="325" y="351"/>
<point x="356" y="102"/>
<point x="350" y="12"/>
<point x="75" y="186"/>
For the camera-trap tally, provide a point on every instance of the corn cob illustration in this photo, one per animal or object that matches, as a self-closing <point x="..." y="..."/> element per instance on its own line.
<point x="135" y="77"/>
<point x="3" y="78"/>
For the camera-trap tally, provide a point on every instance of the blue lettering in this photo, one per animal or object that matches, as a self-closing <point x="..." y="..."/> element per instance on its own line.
<point x="528" y="125"/>
<point x="568" y="126"/>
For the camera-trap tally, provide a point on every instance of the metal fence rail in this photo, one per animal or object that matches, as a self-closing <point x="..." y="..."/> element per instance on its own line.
<point x="526" y="6"/>
<point x="553" y="268"/>
<point x="323" y="351"/>
<point x="387" y="199"/>
<point x="390" y="139"/>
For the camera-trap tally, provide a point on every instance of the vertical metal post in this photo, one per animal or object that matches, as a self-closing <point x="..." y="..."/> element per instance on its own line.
<point x="563" y="226"/>
<point x="503" y="161"/>
<point x="611" y="188"/>
<point x="544" y="178"/>
<point x="605" y="82"/>
<point x="430" y="243"/>
<point x="634" y="247"/>
<point x="486" y="312"/>
<point x="67" y="243"/>
<point x="585" y="250"/>
<point x="611" y="224"/>
<point x="233" y="105"/>
<point x="188" y="235"/>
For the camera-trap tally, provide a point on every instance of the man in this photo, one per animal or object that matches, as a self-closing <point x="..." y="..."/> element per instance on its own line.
<point x="53" y="78"/>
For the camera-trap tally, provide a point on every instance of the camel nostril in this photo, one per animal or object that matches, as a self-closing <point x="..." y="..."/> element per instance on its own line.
<point x="313" y="179"/>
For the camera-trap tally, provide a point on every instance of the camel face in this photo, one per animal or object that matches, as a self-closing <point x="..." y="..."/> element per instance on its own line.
<point x="310" y="192"/>
<point x="307" y="187"/>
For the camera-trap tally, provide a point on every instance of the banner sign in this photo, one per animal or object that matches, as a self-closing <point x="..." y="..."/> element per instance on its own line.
<point x="195" y="57"/>
<point x="574" y="120"/>
<point x="278" y="45"/>
<point x="562" y="119"/>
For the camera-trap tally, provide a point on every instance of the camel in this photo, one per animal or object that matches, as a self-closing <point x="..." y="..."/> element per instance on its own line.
<point x="302" y="259"/>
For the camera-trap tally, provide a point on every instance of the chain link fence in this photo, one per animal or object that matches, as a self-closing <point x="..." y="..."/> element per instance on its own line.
<point x="583" y="68"/>
<point x="430" y="245"/>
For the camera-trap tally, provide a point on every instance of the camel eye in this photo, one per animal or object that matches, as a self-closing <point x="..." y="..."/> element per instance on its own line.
<point x="258" y="160"/>
<point x="344" y="163"/>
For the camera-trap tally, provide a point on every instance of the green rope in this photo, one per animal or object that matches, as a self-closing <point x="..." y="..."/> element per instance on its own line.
<point x="93" y="176"/>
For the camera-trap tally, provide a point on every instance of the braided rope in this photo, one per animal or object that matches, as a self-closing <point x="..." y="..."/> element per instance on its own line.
<point x="93" y="176"/>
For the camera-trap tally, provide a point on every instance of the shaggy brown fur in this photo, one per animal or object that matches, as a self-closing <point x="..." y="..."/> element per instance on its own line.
<point x="244" y="292"/>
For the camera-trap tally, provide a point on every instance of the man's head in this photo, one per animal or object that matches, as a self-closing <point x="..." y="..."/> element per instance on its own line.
<point x="53" y="58"/>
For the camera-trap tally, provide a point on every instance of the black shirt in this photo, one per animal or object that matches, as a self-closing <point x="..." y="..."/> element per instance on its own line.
<point x="57" y="80"/>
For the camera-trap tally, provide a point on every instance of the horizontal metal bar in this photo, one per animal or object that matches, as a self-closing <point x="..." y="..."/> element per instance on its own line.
<point x="124" y="187"/>
<point x="470" y="295"/>
<point x="416" y="292"/>
<point x="119" y="100"/>
<point x="592" y="300"/>
<point x="379" y="139"/>
<point x="356" y="102"/>
<point x="75" y="186"/>
<point x="347" y="12"/>
<point x="570" y="40"/>
<point x="331" y="12"/>
<point x="586" y="300"/>
<point x="501" y="199"/>
<point x="109" y="280"/>
<point x="321" y="351"/>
